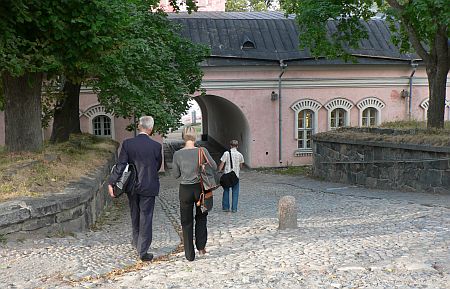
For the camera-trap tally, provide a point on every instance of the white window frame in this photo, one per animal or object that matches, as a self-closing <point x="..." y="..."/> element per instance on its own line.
<point x="304" y="104"/>
<point x="342" y="103"/>
<point x="97" y="110"/>
<point x="102" y="126"/>
<point x="370" y="102"/>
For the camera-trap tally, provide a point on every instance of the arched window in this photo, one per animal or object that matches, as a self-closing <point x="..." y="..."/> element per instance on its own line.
<point x="306" y="112"/>
<point x="370" y="111"/>
<point x="369" y="117"/>
<point x="338" y="118"/>
<point x="101" y="126"/>
<point x="305" y="128"/>
<point x="101" y="123"/>
<point x="426" y="103"/>
<point x="338" y="113"/>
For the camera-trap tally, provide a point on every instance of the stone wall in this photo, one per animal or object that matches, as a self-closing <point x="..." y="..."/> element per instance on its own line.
<point x="76" y="208"/>
<point x="383" y="165"/>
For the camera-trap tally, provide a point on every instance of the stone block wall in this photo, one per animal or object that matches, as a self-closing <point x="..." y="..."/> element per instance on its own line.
<point x="383" y="165"/>
<point x="76" y="208"/>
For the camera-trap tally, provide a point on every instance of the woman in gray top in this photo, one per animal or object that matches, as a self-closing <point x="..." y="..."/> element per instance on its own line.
<point x="185" y="166"/>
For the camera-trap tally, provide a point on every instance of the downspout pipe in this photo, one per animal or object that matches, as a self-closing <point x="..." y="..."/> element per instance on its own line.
<point x="283" y="67"/>
<point x="411" y="78"/>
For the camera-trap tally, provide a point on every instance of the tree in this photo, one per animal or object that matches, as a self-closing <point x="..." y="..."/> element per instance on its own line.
<point x="247" y="5"/>
<point x="65" y="38"/>
<point x="152" y="72"/>
<point x="422" y="24"/>
<point x="24" y="57"/>
<point x="85" y="32"/>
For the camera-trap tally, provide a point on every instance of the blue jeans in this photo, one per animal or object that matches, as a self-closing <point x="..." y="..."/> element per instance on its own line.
<point x="226" y="198"/>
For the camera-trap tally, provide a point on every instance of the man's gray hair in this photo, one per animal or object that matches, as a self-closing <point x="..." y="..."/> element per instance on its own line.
<point x="146" y="122"/>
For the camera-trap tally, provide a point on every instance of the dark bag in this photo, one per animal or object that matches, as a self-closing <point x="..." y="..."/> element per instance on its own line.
<point x="126" y="182"/>
<point x="208" y="182"/>
<point x="230" y="179"/>
<point x="208" y="175"/>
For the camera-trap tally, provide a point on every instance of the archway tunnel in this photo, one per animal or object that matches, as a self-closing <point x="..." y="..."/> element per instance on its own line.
<point x="223" y="121"/>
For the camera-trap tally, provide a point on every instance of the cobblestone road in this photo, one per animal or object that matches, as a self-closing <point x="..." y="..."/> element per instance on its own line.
<point x="347" y="237"/>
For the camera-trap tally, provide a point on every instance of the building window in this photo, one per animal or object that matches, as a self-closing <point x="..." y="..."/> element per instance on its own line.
<point x="305" y="128"/>
<point x="306" y="111"/>
<point x="370" y="111"/>
<point x="101" y="126"/>
<point x="338" y="112"/>
<point x="369" y="117"/>
<point x="101" y="123"/>
<point x="338" y="117"/>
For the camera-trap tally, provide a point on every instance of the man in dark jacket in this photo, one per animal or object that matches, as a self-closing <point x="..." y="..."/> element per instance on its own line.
<point x="145" y="154"/>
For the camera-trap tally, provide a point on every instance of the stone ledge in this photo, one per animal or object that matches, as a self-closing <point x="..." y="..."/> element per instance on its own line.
<point x="414" y="147"/>
<point x="75" y="208"/>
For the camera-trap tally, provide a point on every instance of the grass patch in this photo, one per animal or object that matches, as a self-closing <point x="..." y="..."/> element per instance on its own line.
<point x="410" y="124"/>
<point x="402" y="132"/>
<point x="289" y="171"/>
<point x="35" y="174"/>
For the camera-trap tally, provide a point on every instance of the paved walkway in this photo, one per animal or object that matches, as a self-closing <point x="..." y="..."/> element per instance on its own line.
<point x="348" y="237"/>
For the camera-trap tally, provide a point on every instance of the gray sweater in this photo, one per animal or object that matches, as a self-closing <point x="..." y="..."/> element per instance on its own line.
<point x="185" y="165"/>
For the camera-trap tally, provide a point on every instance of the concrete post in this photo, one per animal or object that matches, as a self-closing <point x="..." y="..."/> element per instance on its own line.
<point x="287" y="213"/>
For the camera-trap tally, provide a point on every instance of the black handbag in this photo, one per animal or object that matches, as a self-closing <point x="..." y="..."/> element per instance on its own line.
<point x="230" y="179"/>
<point x="126" y="182"/>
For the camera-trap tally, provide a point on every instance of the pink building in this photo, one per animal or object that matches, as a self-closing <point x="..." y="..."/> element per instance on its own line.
<point x="265" y="92"/>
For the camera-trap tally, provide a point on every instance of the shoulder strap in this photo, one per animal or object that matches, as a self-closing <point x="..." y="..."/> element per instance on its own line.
<point x="204" y="158"/>
<point x="231" y="160"/>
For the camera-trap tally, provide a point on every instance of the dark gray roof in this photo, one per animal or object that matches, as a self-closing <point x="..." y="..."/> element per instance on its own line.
<point x="274" y="36"/>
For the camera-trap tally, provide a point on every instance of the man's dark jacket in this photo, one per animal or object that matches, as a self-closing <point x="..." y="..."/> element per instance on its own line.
<point x="145" y="154"/>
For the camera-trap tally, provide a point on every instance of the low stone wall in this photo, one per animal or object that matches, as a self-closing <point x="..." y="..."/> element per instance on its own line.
<point x="383" y="165"/>
<point x="76" y="208"/>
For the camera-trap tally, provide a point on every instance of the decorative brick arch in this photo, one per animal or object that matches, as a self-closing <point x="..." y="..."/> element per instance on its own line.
<point x="97" y="110"/>
<point x="370" y="102"/>
<point x="306" y="104"/>
<point x="342" y="103"/>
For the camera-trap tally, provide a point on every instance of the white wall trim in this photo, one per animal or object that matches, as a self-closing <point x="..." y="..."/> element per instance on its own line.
<point x="272" y="83"/>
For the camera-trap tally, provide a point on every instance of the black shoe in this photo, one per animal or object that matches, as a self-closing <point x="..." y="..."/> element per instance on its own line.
<point x="147" y="257"/>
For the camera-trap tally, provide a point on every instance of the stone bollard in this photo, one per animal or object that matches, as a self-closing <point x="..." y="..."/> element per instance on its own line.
<point x="287" y="213"/>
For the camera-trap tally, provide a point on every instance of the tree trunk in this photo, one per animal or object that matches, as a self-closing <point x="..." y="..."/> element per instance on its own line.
<point x="67" y="119"/>
<point x="437" y="80"/>
<point x="437" y="70"/>
<point x="23" y="130"/>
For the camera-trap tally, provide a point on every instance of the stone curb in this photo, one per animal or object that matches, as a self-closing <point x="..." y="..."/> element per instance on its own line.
<point x="74" y="209"/>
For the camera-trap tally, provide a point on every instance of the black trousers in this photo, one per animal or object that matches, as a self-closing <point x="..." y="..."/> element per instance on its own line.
<point x="141" y="208"/>
<point x="188" y="195"/>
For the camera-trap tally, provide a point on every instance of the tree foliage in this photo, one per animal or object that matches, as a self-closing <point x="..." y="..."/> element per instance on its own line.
<point x="74" y="39"/>
<point x="421" y="24"/>
<point x="151" y="72"/>
<point x="247" y="5"/>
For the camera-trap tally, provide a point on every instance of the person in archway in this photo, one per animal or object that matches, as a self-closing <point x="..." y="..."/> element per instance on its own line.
<point x="185" y="166"/>
<point x="225" y="162"/>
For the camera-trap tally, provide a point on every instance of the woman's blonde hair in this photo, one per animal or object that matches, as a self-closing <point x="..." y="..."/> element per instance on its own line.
<point x="189" y="133"/>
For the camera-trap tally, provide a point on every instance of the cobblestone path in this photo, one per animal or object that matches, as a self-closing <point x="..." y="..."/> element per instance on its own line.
<point x="347" y="237"/>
